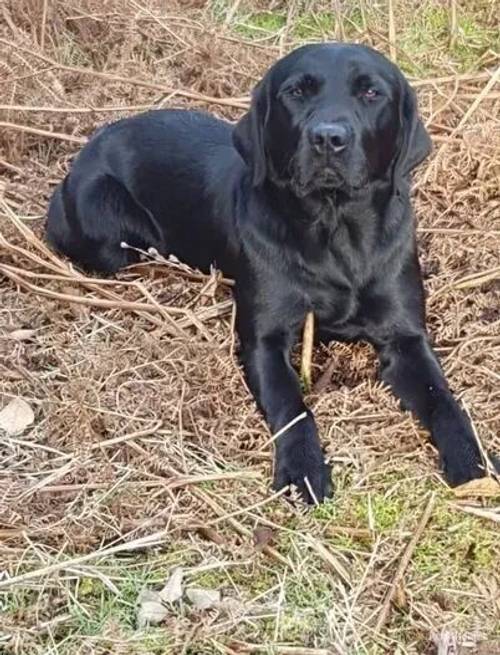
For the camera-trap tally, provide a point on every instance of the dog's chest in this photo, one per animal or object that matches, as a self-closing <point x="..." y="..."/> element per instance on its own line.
<point x="332" y="294"/>
<point x="345" y="280"/>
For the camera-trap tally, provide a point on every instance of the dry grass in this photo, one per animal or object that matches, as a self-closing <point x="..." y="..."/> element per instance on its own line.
<point x="147" y="451"/>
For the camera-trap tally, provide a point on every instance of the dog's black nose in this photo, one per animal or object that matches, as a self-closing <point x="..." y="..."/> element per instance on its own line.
<point x="330" y="136"/>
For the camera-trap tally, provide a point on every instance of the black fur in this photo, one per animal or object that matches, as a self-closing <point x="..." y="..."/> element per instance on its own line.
<point x="305" y="203"/>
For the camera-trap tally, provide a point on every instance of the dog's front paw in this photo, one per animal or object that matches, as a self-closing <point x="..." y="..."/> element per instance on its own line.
<point x="460" y="457"/>
<point x="459" y="468"/>
<point x="301" y="463"/>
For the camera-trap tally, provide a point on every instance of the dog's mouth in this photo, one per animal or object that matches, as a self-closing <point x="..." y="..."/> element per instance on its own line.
<point x="309" y="177"/>
<point x="329" y="177"/>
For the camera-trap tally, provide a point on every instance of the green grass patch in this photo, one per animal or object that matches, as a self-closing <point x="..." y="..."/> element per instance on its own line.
<point x="423" y="37"/>
<point x="260" y="24"/>
<point x="427" y="42"/>
<point x="454" y="547"/>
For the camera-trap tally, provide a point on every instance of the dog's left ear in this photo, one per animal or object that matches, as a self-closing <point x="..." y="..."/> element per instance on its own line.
<point x="248" y="134"/>
<point x="416" y="144"/>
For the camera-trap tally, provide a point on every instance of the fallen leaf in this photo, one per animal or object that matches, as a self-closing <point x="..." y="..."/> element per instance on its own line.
<point x="16" y="416"/>
<point x="23" y="334"/>
<point x="172" y="591"/>
<point x="262" y="537"/>
<point x="203" y="599"/>
<point x="151" y="610"/>
<point x="211" y="535"/>
<point x="485" y="487"/>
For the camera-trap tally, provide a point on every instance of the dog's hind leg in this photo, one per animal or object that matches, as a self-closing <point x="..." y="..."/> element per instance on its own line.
<point x="90" y="220"/>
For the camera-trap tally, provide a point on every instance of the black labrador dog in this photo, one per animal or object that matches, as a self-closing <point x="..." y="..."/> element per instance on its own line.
<point x="305" y="203"/>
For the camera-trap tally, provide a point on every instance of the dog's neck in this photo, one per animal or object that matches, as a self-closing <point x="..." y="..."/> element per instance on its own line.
<point x="330" y="207"/>
<point x="328" y="221"/>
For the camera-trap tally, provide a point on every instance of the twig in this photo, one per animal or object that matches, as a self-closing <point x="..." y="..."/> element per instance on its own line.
<point x="175" y="483"/>
<point x="307" y="351"/>
<point x="184" y="481"/>
<point x="74" y="110"/>
<point x="311" y="491"/>
<point x="277" y="649"/>
<point x="143" y="542"/>
<point x="339" y="22"/>
<point x="250" y="508"/>
<point x="403" y="564"/>
<point x="487" y="463"/>
<point x="453" y="22"/>
<point x="491" y="514"/>
<point x="475" y="280"/>
<point x="35" y="130"/>
<point x="332" y="561"/>
<point x="45" y="482"/>
<point x="392" y="31"/>
<point x="43" y="25"/>
<point x="446" y="79"/>
<point x="459" y="231"/>
<point x="10" y="167"/>
<point x="282" y="430"/>
<point x="127" y="437"/>
<point x="185" y="270"/>
<point x="362" y="533"/>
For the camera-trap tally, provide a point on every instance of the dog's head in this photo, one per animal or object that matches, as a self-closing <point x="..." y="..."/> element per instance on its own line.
<point x="331" y="116"/>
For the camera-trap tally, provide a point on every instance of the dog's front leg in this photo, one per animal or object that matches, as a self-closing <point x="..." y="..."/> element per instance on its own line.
<point x="410" y="367"/>
<point x="276" y="388"/>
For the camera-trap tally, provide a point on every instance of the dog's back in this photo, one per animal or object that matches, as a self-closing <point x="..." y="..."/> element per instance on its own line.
<point x="149" y="181"/>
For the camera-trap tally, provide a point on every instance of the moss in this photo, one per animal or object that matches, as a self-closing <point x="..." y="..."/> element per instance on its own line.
<point x="308" y="26"/>
<point x="386" y="511"/>
<point x="315" y="26"/>
<point x="455" y="547"/>
<point x="330" y="510"/>
<point x="260" y="23"/>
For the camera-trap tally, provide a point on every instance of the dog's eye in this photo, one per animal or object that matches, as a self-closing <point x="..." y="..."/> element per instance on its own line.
<point x="370" y="93"/>
<point x="296" y="92"/>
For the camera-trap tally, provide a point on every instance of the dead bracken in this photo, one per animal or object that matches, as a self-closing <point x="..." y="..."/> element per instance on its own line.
<point x="145" y="454"/>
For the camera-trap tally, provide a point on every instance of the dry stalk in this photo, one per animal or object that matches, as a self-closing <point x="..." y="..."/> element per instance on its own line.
<point x="81" y="140"/>
<point x="307" y="351"/>
<point x="403" y="564"/>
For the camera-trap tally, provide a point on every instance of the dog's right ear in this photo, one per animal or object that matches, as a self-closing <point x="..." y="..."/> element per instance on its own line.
<point x="248" y="133"/>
